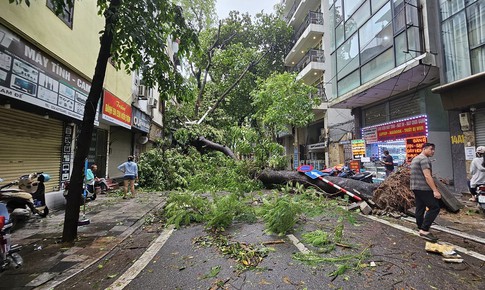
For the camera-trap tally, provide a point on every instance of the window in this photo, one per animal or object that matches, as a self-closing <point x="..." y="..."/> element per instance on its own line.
<point x="407" y="46"/>
<point x="377" y="4"/>
<point x="405" y="14"/>
<point x="349" y="83"/>
<point x="478" y="60"/>
<point x="476" y="24"/>
<point x="348" y="56"/>
<point x="456" y="49"/>
<point x="67" y="13"/>
<point x="378" y="66"/>
<point x="376" y="35"/>
<point x="448" y="8"/>
<point x="359" y="17"/>
<point x="350" y="6"/>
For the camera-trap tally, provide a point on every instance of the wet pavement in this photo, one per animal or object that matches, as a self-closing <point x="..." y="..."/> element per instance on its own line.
<point x="396" y="259"/>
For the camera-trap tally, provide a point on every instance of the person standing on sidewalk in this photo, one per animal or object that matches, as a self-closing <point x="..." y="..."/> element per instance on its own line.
<point x="477" y="170"/>
<point x="130" y="170"/>
<point x="425" y="191"/>
<point x="388" y="163"/>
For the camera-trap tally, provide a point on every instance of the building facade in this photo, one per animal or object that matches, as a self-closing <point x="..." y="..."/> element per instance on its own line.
<point x="321" y="143"/>
<point x="46" y="65"/>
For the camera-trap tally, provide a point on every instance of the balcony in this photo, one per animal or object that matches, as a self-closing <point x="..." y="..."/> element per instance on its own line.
<point x="322" y="96"/>
<point x="307" y="36"/>
<point x="311" y="67"/>
<point x="292" y="9"/>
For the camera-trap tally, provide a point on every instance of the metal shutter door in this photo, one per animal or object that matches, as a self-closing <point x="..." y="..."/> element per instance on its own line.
<point x="480" y="127"/>
<point x="29" y="143"/>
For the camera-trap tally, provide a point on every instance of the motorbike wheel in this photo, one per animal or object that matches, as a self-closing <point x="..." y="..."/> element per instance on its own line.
<point x="44" y="212"/>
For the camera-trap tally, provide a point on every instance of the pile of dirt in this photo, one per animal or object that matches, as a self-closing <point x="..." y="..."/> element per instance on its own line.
<point x="393" y="194"/>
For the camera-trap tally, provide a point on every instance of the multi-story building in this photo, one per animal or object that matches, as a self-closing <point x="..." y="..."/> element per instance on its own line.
<point x="320" y="143"/>
<point x="462" y="30"/>
<point x="383" y="60"/>
<point x="46" y="65"/>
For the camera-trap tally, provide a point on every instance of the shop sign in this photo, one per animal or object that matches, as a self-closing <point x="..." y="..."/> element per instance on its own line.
<point x="402" y="129"/>
<point x="30" y="75"/>
<point x="295" y="158"/>
<point x="469" y="153"/>
<point x="414" y="147"/>
<point x="140" y="120"/>
<point x="369" y="134"/>
<point x="355" y="165"/>
<point x="116" y="111"/>
<point x="358" y="148"/>
<point x="155" y="132"/>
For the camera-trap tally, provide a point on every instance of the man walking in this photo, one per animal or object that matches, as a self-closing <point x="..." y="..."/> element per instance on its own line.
<point x="425" y="191"/>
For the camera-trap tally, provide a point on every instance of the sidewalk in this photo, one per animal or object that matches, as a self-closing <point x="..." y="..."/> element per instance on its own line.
<point x="48" y="262"/>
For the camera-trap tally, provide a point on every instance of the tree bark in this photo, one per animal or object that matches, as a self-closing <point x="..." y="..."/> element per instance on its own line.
<point x="71" y="218"/>
<point x="271" y="177"/>
<point x="217" y="147"/>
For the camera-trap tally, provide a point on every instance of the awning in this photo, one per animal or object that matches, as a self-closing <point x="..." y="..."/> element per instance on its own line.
<point x="462" y="93"/>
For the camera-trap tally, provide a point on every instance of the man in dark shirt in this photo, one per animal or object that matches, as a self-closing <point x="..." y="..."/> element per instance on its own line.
<point x="388" y="163"/>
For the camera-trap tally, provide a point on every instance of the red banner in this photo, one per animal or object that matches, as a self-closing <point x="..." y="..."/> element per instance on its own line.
<point x="116" y="111"/>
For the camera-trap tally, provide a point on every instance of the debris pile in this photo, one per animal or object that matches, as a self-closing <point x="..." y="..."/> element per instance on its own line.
<point x="393" y="194"/>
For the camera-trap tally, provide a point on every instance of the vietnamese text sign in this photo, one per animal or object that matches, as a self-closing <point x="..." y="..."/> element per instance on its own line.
<point x="140" y="120"/>
<point x="414" y="147"/>
<point x="30" y="75"/>
<point x="402" y="129"/>
<point x="358" y="148"/>
<point x="116" y="111"/>
<point x="355" y="165"/>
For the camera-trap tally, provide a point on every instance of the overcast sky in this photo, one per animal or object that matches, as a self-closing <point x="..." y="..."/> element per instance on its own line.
<point x="251" y="6"/>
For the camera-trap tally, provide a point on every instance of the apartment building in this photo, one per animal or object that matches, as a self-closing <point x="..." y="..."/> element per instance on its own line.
<point x="322" y="143"/>
<point x="46" y="66"/>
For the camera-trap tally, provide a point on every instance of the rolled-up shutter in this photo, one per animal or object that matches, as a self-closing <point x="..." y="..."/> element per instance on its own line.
<point x="29" y="143"/>
<point x="480" y="127"/>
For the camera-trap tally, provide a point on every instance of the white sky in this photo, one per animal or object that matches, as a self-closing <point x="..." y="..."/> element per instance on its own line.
<point x="251" y="6"/>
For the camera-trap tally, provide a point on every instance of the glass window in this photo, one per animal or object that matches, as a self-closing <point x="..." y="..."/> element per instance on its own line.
<point x="350" y="6"/>
<point x="478" y="60"/>
<point x="332" y="29"/>
<point x="449" y="8"/>
<point x="455" y="46"/>
<point x="407" y="48"/>
<point x="349" y="83"/>
<point x="377" y="4"/>
<point x="338" y="12"/>
<point x="347" y="56"/>
<point x="339" y="34"/>
<point x="476" y="24"/>
<point x="405" y="14"/>
<point x="67" y="12"/>
<point x="333" y="80"/>
<point x="378" y="66"/>
<point x="359" y="17"/>
<point x="375" y="25"/>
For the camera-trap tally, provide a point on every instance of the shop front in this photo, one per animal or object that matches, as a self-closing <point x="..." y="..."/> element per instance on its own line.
<point x="117" y="114"/>
<point x="402" y="138"/>
<point x="140" y="127"/>
<point x="41" y="100"/>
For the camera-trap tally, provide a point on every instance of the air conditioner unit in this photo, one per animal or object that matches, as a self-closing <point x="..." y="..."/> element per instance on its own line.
<point x="152" y="102"/>
<point x="144" y="92"/>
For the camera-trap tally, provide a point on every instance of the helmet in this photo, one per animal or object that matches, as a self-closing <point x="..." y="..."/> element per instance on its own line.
<point x="481" y="150"/>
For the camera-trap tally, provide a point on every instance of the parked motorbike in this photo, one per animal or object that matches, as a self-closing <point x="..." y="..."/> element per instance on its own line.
<point x="346" y="172"/>
<point x="19" y="201"/>
<point x="481" y="196"/>
<point x="91" y="194"/>
<point x="9" y="256"/>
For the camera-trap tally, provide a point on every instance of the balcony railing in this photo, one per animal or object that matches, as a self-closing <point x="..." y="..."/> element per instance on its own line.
<point x="313" y="55"/>
<point x="292" y="10"/>
<point x="320" y="94"/>
<point x="311" y="18"/>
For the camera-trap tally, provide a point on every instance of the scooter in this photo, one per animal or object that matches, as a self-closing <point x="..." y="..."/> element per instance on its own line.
<point x="346" y="172"/>
<point x="19" y="201"/>
<point x="481" y="196"/>
<point x="9" y="256"/>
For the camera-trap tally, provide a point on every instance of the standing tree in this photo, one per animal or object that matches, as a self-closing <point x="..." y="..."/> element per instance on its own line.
<point x="135" y="36"/>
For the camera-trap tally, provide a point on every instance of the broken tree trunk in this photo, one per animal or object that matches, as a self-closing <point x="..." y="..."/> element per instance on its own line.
<point x="217" y="147"/>
<point x="272" y="177"/>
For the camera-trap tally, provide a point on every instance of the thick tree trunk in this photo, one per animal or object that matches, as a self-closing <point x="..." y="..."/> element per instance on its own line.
<point x="271" y="177"/>
<point x="217" y="147"/>
<point x="71" y="218"/>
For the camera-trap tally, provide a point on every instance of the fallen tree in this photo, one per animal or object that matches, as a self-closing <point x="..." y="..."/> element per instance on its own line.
<point x="271" y="177"/>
